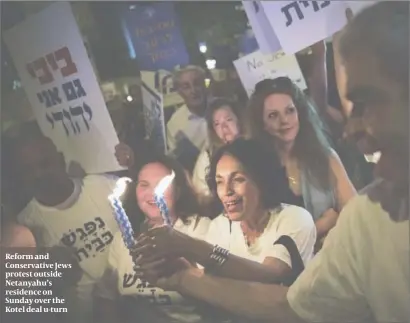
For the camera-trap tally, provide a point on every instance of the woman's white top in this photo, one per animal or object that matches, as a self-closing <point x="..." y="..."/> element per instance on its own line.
<point x="200" y="172"/>
<point x="289" y="220"/>
<point x="120" y="279"/>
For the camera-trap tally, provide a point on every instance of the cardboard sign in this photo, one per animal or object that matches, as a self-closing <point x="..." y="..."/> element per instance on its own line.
<point x="56" y="73"/>
<point x="154" y="117"/>
<point x="256" y="67"/>
<point x="299" y="24"/>
<point x="264" y="34"/>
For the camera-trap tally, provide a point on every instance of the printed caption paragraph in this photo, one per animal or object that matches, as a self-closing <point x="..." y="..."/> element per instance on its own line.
<point x="34" y="281"/>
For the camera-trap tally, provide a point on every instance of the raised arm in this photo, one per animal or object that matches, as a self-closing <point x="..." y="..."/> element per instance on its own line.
<point x="164" y="241"/>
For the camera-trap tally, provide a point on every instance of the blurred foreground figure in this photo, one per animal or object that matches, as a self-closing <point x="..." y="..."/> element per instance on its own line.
<point x="362" y="272"/>
<point x="71" y="214"/>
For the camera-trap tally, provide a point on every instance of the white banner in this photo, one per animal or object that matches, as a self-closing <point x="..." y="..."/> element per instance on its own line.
<point x="264" y="34"/>
<point x="154" y="117"/>
<point x="256" y="67"/>
<point x="299" y="24"/>
<point x="56" y="73"/>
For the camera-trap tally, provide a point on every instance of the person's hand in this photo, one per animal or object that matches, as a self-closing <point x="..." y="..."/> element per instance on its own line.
<point x="162" y="271"/>
<point x="161" y="242"/>
<point x="124" y="155"/>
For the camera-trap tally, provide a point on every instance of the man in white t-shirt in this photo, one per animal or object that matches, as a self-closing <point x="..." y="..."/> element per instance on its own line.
<point x="187" y="131"/>
<point x="65" y="212"/>
<point x="362" y="272"/>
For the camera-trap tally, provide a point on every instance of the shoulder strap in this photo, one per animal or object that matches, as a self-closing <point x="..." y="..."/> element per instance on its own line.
<point x="295" y="258"/>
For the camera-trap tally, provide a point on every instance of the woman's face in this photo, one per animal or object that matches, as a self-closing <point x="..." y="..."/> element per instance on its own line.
<point x="280" y="118"/>
<point x="226" y="124"/>
<point x="148" y="178"/>
<point x="237" y="191"/>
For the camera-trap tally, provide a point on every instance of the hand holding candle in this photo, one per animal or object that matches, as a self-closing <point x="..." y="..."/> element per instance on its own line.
<point x="159" y="198"/>
<point x="119" y="212"/>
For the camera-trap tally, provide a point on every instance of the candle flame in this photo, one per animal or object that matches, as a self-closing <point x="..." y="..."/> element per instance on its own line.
<point x="121" y="186"/>
<point x="164" y="183"/>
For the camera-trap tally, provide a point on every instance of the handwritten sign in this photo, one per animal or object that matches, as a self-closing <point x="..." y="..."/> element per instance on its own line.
<point x="155" y="34"/>
<point x="264" y="34"/>
<point x="299" y="24"/>
<point x="256" y="67"/>
<point x="49" y="55"/>
<point x="154" y="117"/>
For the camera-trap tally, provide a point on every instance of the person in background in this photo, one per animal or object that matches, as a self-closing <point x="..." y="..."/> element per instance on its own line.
<point x="224" y="121"/>
<point x="64" y="212"/>
<point x="359" y="168"/>
<point x="187" y="129"/>
<point x="247" y="181"/>
<point x="119" y="278"/>
<point x="282" y="117"/>
<point x="362" y="272"/>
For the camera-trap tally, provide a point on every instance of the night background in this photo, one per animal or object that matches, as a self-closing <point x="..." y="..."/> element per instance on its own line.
<point x="219" y="24"/>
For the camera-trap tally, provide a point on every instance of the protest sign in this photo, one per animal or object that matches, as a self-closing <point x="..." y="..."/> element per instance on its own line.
<point x="247" y="42"/>
<point x="257" y="67"/>
<point x="49" y="54"/>
<point x="264" y="34"/>
<point x="154" y="117"/>
<point x="156" y="36"/>
<point x="162" y="82"/>
<point x="299" y="24"/>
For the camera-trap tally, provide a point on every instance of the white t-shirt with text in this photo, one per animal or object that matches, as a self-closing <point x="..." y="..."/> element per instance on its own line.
<point x="120" y="278"/>
<point x="289" y="220"/>
<point x="84" y="223"/>
<point x="362" y="272"/>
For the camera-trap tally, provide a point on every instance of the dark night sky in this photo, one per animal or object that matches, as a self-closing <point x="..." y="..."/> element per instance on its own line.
<point x="110" y="49"/>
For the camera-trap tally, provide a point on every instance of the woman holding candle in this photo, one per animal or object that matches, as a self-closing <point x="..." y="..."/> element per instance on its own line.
<point x="140" y="205"/>
<point x="225" y="124"/>
<point x="243" y="242"/>
<point x="282" y="117"/>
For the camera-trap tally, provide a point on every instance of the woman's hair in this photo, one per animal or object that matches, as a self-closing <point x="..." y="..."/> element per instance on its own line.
<point x="311" y="147"/>
<point x="186" y="203"/>
<point x="261" y="164"/>
<point x="215" y="105"/>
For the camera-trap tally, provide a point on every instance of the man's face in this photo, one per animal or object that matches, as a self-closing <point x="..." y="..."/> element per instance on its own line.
<point x="381" y="106"/>
<point x="41" y="167"/>
<point x="191" y="87"/>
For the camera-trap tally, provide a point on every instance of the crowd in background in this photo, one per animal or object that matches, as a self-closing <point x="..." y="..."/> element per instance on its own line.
<point x="259" y="187"/>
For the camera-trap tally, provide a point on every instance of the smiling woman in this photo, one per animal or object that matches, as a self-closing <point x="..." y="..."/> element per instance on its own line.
<point x="242" y="242"/>
<point x="282" y="117"/>
<point x="120" y="279"/>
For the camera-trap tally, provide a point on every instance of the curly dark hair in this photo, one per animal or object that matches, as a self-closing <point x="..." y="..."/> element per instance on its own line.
<point x="261" y="164"/>
<point x="312" y="147"/>
<point x="186" y="204"/>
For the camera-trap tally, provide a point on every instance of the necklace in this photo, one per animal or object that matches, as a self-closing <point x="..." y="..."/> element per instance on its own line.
<point x="250" y="236"/>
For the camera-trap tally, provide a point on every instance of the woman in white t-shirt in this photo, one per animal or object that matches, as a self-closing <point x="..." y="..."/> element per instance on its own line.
<point x="249" y="184"/>
<point x="224" y="121"/>
<point x="119" y="278"/>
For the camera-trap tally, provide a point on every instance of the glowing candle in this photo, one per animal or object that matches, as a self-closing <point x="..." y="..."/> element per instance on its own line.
<point x="119" y="212"/>
<point x="159" y="198"/>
